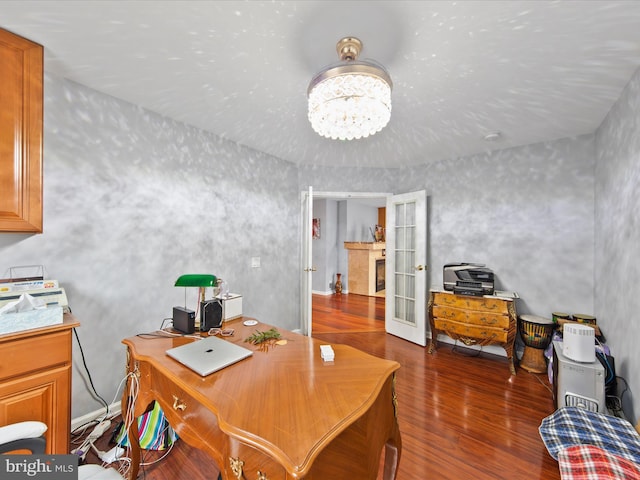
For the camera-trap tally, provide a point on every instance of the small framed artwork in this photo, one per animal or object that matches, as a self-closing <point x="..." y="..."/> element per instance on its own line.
<point x="316" y="228"/>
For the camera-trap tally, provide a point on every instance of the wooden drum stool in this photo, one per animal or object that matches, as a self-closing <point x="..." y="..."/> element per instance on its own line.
<point x="536" y="333"/>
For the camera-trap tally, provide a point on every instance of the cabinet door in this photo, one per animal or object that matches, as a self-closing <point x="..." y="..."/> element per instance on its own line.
<point x="44" y="397"/>
<point x="20" y="134"/>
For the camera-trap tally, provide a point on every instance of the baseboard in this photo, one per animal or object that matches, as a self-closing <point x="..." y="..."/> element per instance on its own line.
<point x="327" y="293"/>
<point x="114" y="410"/>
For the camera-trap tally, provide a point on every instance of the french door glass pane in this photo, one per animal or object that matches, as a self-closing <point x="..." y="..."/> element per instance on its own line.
<point x="411" y="214"/>
<point x="400" y="308"/>
<point x="400" y="285"/>
<point x="400" y="208"/>
<point x="410" y="309"/>
<point x="410" y="259"/>
<point x="410" y="233"/>
<point x="410" y="286"/>
<point x="400" y="241"/>
<point x="404" y="256"/>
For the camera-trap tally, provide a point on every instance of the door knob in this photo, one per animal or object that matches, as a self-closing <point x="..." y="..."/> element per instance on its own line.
<point x="420" y="268"/>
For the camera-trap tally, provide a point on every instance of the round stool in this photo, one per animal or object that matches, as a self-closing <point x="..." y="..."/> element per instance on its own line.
<point x="536" y="333"/>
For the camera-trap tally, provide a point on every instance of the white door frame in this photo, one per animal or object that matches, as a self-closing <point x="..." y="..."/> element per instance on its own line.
<point x="306" y="320"/>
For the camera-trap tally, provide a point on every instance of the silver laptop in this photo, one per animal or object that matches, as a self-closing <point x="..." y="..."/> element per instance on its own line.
<point x="208" y="355"/>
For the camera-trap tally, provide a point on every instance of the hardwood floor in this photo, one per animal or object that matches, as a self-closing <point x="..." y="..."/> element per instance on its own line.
<point x="460" y="416"/>
<point x="347" y="314"/>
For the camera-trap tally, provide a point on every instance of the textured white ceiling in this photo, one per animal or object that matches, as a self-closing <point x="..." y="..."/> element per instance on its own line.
<point x="533" y="70"/>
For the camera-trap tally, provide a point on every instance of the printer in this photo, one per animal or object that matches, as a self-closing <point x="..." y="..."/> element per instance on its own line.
<point x="468" y="279"/>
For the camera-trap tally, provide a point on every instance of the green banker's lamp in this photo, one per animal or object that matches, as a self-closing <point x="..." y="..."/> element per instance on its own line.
<point x="202" y="281"/>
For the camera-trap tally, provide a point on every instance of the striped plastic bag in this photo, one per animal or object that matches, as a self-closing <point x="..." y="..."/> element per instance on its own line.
<point x="154" y="431"/>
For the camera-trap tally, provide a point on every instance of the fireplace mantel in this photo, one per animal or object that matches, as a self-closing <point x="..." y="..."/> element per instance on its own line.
<point x="362" y="267"/>
<point x="365" y="245"/>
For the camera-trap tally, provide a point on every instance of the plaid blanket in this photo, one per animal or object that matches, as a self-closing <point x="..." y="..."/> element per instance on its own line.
<point x="586" y="462"/>
<point x="569" y="426"/>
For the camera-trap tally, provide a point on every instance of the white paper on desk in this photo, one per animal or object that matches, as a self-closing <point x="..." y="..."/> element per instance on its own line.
<point x="25" y="303"/>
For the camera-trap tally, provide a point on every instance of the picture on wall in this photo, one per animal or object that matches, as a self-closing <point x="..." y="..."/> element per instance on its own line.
<point x="316" y="228"/>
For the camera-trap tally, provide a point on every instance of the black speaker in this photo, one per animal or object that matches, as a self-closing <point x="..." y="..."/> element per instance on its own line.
<point x="184" y="320"/>
<point x="210" y="315"/>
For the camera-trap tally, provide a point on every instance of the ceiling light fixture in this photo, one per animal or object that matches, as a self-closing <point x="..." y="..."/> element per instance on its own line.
<point x="350" y="99"/>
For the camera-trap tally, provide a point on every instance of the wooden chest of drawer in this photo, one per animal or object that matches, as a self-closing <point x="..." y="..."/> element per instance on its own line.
<point x="35" y="380"/>
<point x="473" y="321"/>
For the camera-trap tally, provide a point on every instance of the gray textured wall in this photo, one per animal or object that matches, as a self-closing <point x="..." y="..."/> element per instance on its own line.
<point x="132" y="201"/>
<point x="325" y="248"/>
<point x="617" y="239"/>
<point x="527" y="213"/>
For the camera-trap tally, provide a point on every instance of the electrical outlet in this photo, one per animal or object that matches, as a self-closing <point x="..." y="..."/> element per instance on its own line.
<point x="255" y="262"/>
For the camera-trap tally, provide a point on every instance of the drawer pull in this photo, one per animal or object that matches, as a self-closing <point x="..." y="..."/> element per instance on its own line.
<point x="489" y="321"/>
<point x="236" y="466"/>
<point x="179" y="404"/>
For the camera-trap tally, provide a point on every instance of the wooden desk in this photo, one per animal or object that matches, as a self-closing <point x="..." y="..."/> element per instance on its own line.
<point x="282" y="413"/>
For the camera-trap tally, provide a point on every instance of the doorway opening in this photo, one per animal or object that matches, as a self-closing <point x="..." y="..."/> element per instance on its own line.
<point x="346" y="217"/>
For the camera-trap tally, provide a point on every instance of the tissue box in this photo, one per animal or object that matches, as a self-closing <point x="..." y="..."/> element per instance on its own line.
<point x="42" y="317"/>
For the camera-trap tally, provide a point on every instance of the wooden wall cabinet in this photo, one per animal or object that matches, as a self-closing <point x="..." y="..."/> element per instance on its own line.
<point x="35" y="380"/>
<point x="473" y="321"/>
<point x="21" y="121"/>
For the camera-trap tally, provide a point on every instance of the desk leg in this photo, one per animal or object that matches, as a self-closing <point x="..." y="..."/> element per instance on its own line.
<point x="134" y="445"/>
<point x="127" y="406"/>
<point x="392" y="450"/>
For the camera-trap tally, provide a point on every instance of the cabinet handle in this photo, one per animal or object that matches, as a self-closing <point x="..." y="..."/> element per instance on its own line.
<point x="179" y="404"/>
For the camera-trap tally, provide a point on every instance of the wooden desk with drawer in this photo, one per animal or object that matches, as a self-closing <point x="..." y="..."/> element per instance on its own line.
<point x="280" y="414"/>
<point x="484" y="320"/>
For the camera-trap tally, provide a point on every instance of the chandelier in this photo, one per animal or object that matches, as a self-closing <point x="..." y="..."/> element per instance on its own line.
<point x="352" y="98"/>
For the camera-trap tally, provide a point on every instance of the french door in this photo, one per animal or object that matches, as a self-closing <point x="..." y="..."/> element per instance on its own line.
<point x="406" y="267"/>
